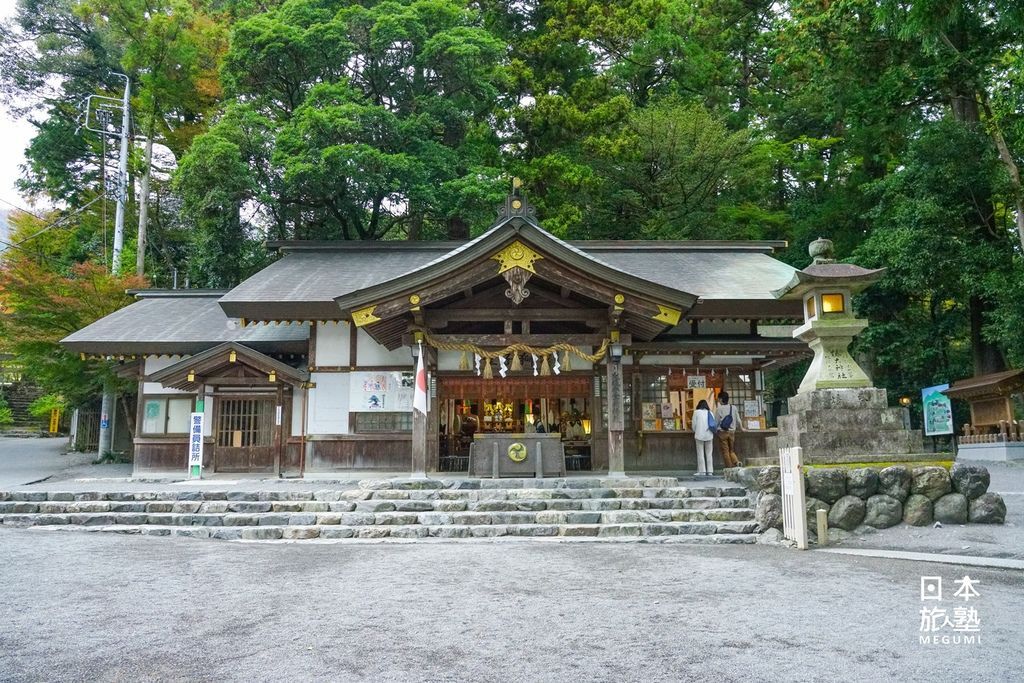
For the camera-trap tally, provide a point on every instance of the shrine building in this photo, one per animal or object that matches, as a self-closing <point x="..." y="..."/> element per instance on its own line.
<point x="592" y="352"/>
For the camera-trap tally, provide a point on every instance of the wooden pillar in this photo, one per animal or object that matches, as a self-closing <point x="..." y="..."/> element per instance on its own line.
<point x="278" y="430"/>
<point x="420" y="434"/>
<point x="616" y="419"/>
<point x="419" y="444"/>
<point x="433" y="412"/>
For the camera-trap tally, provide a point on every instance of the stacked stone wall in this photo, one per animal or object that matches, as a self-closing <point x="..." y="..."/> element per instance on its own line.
<point x="867" y="498"/>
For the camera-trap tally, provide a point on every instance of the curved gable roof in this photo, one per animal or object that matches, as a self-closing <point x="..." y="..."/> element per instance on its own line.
<point x="514" y="223"/>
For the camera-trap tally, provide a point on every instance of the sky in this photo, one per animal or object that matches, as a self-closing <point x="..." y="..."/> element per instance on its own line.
<point x="14" y="137"/>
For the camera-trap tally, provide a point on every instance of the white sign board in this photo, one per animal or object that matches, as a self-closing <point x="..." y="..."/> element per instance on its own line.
<point x="696" y="382"/>
<point x="195" y="444"/>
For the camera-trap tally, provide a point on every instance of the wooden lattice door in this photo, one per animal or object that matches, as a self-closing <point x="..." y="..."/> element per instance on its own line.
<point x="245" y="437"/>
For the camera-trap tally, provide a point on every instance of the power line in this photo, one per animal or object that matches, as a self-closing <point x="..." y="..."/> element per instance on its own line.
<point x="21" y="208"/>
<point x="60" y="220"/>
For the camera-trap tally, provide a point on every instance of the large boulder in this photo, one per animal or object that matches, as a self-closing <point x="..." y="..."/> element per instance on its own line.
<point x="932" y="482"/>
<point x="813" y="505"/>
<point x="883" y="511"/>
<point x="970" y="480"/>
<point x="771" y="537"/>
<point x="895" y="481"/>
<point x="847" y="513"/>
<point x="744" y="476"/>
<point x="951" y="509"/>
<point x="769" y="479"/>
<point x="768" y="513"/>
<point x="862" y="482"/>
<point x="827" y="484"/>
<point x="917" y="510"/>
<point x="988" y="508"/>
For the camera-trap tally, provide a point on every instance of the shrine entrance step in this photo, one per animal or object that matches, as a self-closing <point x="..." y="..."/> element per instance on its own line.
<point x="597" y="509"/>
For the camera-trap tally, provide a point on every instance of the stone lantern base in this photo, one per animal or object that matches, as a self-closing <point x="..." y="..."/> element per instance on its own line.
<point x="847" y="426"/>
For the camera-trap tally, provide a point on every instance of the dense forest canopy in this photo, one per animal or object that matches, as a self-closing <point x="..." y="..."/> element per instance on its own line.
<point x="894" y="127"/>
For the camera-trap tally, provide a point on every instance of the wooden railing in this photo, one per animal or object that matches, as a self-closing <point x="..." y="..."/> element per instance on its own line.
<point x="1006" y="431"/>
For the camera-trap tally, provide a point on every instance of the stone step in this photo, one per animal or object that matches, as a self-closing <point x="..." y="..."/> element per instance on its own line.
<point x="337" y="495"/>
<point x="717" y="520"/>
<point x="672" y="532"/>
<point x="256" y="507"/>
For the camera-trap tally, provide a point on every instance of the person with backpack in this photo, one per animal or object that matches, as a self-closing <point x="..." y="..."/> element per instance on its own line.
<point x="704" y="437"/>
<point x="728" y="422"/>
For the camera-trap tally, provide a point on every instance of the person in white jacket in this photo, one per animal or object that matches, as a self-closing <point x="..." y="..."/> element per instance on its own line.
<point x="704" y="438"/>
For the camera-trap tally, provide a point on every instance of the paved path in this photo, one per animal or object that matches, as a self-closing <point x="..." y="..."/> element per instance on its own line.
<point x="118" y="608"/>
<point x="23" y="461"/>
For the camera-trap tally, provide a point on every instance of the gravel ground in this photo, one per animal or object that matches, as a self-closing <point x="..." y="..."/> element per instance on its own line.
<point x="95" y="607"/>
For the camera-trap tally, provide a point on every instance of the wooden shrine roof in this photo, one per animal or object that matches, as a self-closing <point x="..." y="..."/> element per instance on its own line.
<point x="180" y="321"/>
<point x="305" y="282"/>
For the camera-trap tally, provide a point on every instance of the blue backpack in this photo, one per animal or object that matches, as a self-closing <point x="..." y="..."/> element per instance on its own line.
<point x="712" y="424"/>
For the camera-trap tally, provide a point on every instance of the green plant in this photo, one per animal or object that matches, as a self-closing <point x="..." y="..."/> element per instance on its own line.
<point x="6" y="417"/>
<point x="44" y="405"/>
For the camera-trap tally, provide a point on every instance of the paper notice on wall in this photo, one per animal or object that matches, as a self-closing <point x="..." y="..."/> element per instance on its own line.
<point x="752" y="424"/>
<point x="381" y="391"/>
<point x="752" y="408"/>
<point x="375" y="383"/>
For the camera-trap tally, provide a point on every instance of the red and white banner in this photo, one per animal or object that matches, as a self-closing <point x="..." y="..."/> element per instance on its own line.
<point x="419" y="399"/>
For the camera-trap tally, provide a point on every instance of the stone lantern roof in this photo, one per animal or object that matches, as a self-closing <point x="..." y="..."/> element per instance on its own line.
<point x="824" y="271"/>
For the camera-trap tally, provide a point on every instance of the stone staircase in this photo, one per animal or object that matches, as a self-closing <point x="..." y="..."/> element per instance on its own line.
<point x="597" y="509"/>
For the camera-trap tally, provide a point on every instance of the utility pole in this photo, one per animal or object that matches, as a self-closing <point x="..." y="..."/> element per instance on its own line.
<point x="97" y="104"/>
<point x="122" y="178"/>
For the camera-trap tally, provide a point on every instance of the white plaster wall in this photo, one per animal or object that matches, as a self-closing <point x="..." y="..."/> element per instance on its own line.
<point x="727" y="360"/>
<point x="666" y="360"/>
<point x="296" y="426"/>
<point x="208" y="414"/>
<point x="449" y="360"/>
<point x="328" y="403"/>
<point x="723" y="327"/>
<point x="154" y="363"/>
<point x="578" y="363"/>
<point x="332" y="344"/>
<point x="369" y="353"/>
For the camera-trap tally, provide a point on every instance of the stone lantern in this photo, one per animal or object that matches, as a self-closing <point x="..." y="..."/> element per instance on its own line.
<point x="837" y="416"/>
<point x="825" y="288"/>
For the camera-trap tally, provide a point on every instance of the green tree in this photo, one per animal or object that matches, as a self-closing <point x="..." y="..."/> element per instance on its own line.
<point x="674" y="171"/>
<point x="939" y="266"/>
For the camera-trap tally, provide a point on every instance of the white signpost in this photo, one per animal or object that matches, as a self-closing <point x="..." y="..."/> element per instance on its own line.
<point x="195" y="446"/>
<point x="794" y="512"/>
